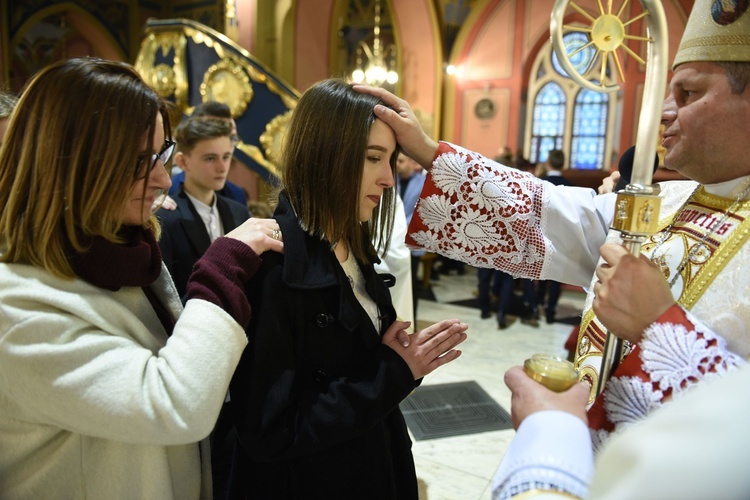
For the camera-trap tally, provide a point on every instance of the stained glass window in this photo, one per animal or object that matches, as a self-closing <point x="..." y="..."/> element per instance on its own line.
<point x="581" y="59"/>
<point x="548" y="126"/>
<point x="564" y="116"/>
<point x="589" y="130"/>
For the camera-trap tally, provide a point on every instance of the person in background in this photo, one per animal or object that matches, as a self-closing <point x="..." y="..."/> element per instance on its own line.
<point x="548" y="291"/>
<point x="395" y="266"/>
<point x="316" y="396"/>
<point x="500" y="284"/>
<point x="409" y="183"/>
<point x="620" y="178"/>
<point x="108" y="386"/>
<point x="7" y="104"/>
<point x="504" y="156"/>
<point x="204" y="150"/>
<point x="554" y="167"/>
<point x="213" y="109"/>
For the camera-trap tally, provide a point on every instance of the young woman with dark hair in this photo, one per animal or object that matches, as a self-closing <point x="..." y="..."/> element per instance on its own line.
<point x="316" y="394"/>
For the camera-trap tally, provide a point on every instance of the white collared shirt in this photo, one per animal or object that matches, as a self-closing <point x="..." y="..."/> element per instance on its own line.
<point x="357" y="281"/>
<point x="209" y="216"/>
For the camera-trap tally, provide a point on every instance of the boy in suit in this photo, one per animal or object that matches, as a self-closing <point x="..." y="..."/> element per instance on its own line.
<point x="204" y="152"/>
<point x="213" y="109"/>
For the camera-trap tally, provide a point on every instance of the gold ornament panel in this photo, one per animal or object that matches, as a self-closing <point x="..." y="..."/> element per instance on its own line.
<point x="162" y="61"/>
<point x="227" y="82"/>
<point x="167" y="80"/>
<point x="163" y="80"/>
<point x="272" y="139"/>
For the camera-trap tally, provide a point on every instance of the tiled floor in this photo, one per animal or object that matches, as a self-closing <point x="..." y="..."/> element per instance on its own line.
<point x="462" y="467"/>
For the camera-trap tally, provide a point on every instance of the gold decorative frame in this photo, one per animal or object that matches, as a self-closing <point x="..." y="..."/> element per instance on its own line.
<point x="230" y="80"/>
<point x="227" y="82"/>
<point x="200" y="38"/>
<point x="273" y="138"/>
<point x="163" y="80"/>
<point x="167" y="80"/>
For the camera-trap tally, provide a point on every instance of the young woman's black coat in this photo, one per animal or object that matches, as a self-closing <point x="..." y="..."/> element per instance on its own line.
<point x="316" y="395"/>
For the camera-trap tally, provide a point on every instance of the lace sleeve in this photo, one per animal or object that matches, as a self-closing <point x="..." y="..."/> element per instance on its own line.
<point x="477" y="211"/>
<point x="676" y="352"/>
<point x="480" y="212"/>
<point x="680" y="353"/>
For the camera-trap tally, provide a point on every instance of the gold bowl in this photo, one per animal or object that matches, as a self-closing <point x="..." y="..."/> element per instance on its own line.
<point x="553" y="372"/>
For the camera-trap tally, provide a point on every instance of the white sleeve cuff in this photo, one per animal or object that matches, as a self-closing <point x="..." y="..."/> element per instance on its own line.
<point x="550" y="452"/>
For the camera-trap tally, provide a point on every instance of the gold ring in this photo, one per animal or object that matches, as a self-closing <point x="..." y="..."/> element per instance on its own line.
<point x="276" y="234"/>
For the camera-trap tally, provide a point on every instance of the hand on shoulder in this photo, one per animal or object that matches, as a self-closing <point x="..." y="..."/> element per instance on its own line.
<point x="259" y="234"/>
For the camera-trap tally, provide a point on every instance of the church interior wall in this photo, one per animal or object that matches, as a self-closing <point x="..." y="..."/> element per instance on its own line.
<point x="493" y="50"/>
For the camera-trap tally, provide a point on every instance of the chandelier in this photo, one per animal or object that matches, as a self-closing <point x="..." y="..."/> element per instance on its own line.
<point x="376" y="65"/>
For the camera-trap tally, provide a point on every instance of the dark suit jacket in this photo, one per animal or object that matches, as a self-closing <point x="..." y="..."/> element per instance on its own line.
<point x="557" y="180"/>
<point x="184" y="237"/>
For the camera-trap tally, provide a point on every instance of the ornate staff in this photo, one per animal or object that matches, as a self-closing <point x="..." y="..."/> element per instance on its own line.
<point x="637" y="207"/>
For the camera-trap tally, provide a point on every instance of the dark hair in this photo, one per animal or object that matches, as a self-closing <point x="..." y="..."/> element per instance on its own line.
<point x="212" y="108"/>
<point x="193" y="130"/>
<point x="738" y="75"/>
<point x="322" y="164"/>
<point x="73" y="153"/>
<point x="556" y="159"/>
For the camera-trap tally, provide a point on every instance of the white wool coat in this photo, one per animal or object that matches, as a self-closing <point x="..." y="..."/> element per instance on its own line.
<point x="96" y="401"/>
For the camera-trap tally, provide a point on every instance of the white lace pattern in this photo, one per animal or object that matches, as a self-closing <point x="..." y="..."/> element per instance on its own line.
<point x="489" y="216"/>
<point x="675" y="358"/>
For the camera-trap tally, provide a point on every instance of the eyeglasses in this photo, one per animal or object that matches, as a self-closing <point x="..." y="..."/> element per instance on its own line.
<point x="164" y="155"/>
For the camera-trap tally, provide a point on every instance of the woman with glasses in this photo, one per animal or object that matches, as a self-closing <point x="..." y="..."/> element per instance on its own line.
<point x="108" y="387"/>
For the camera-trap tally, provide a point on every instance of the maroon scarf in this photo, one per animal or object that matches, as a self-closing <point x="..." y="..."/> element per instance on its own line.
<point x="137" y="262"/>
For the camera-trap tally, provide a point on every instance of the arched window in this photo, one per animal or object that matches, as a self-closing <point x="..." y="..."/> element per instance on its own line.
<point x="562" y="115"/>
<point x="589" y="130"/>
<point x="549" y="121"/>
